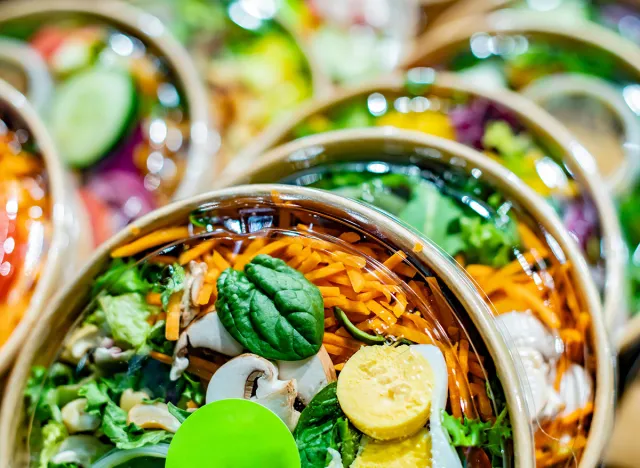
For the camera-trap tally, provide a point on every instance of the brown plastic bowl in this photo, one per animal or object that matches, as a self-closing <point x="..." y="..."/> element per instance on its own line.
<point x="536" y="121"/>
<point x="68" y="245"/>
<point x="409" y="146"/>
<point x="201" y="160"/>
<point x="45" y="340"/>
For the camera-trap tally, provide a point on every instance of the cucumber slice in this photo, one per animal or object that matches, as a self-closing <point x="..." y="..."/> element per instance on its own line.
<point x="90" y="112"/>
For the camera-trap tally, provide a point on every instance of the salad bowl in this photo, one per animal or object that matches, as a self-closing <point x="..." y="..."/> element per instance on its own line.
<point x="326" y="240"/>
<point x="508" y="128"/>
<point x="42" y="223"/>
<point x="495" y="227"/>
<point x="125" y="105"/>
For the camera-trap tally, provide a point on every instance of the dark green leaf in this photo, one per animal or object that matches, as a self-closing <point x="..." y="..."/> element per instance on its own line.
<point x="193" y="390"/>
<point x="272" y="309"/>
<point x="178" y="413"/>
<point x="157" y="340"/>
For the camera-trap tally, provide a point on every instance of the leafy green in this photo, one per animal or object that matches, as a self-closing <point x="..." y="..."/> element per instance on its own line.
<point x="500" y="136"/>
<point x="487" y="243"/>
<point x="156" y="339"/>
<point x="48" y="391"/>
<point x="120" y="278"/>
<point x="126" y="316"/>
<point x="178" y="413"/>
<point x="174" y="283"/>
<point x="323" y="425"/>
<point x="53" y="433"/>
<point x="271" y="309"/>
<point x="432" y="214"/>
<point x="354" y="331"/>
<point x="193" y="390"/>
<point x="490" y="436"/>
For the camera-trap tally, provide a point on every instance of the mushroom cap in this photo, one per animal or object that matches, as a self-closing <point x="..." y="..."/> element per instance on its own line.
<point x="230" y="380"/>
<point x="153" y="416"/>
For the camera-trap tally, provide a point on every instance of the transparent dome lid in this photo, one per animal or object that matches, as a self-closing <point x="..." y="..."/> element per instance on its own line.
<point x="365" y="340"/>
<point x="510" y="243"/>
<point x="137" y="133"/>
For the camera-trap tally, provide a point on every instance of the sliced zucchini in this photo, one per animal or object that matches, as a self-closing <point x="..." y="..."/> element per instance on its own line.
<point x="90" y="113"/>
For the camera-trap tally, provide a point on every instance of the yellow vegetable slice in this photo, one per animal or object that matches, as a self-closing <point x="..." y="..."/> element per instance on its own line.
<point x="386" y="391"/>
<point x="414" y="452"/>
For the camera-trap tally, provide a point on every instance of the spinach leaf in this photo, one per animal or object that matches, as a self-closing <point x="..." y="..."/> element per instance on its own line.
<point x="121" y="278"/>
<point x="271" y="309"/>
<point x="323" y="425"/>
<point x="126" y="316"/>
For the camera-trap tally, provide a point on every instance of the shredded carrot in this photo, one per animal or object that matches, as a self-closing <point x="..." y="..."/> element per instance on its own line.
<point x="155" y="239"/>
<point x="337" y="340"/>
<point x="172" y="332"/>
<point x="204" y="296"/>
<point x="329" y="291"/>
<point x="325" y="272"/>
<point x="154" y="299"/>
<point x="195" y="252"/>
<point x="350" y="237"/>
<point x="219" y="262"/>
<point x="394" y="260"/>
<point x="356" y="278"/>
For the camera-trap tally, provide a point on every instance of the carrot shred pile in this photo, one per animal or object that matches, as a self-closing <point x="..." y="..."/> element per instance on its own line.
<point x="391" y="301"/>
<point x="535" y="281"/>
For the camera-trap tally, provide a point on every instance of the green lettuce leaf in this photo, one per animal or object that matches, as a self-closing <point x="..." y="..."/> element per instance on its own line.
<point x="126" y="316"/>
<point x="121" y="278"/>
<point x="174" y="283"/>
<point x="53" y="433"/>
<point x="490" y="436"/>
<point x="178" y="413"/>
<point x="486" y="243"/>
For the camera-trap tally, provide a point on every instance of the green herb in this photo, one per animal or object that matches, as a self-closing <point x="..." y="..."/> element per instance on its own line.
<point x="323" y="425"/>
<point x="354" y="331"/>
<point x="53" y="433"/>
<point x="126" y="316"/>
<point x="120" y="278"/>
<point x="490" y="436"/>
<point x="174" y="283"/>
<point x="486" y="243"/>
<point x="271" y="309"/>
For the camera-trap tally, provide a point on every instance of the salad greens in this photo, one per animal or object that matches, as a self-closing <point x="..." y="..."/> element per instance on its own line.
<point x="323" y="425"/>
<point x="272" y="309"/>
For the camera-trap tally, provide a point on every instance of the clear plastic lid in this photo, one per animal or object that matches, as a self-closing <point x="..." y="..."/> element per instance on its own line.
<point x="113" y="101"/>
<point x="509" y="242"/>
<point x="25" y="219"/>
<point x="255" y="68"/>
<point x="509" y="130"/>
<point x="290" y="300"/>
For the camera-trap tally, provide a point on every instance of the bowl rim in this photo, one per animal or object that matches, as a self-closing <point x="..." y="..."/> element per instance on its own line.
<point x="446" y="35"/>
<point x="18" y="104"/>
<point x="538" y="122"/>
<point x="72" y="297"/>
<point x="204" y="140"/>
<point x="539" y="209"/>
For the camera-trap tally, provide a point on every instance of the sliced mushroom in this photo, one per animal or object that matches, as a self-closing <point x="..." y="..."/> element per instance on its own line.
<point x="80" y="342"/>
<point x="81" y="450"/>
<point x="153" y="416"/>
<point x="131" y="398"/>
<point x="311" y="374"/>
<point x="198" y="271"/>
<point x="193" y="283"/>
<point x="207" y="332"/>
<point x="112" y="356"/>
<point x="76" y="419"/>
<point x="236" y="378"/>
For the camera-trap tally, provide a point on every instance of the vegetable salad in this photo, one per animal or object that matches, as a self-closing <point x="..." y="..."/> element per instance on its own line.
<point x="116" y="113"/>
<point x="25" y="229"/>
<point x="527" y="284"/>
<point x="254" y="68"/>
<point x="482" y="124"/>
<point x="268" y="301"/>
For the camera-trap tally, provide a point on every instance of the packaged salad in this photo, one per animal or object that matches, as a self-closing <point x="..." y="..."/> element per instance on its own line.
<point x="585" y="75"/>
<point x="504" y="126"/>
<point x="511" y="244"/>
<point x="255" y="68"/>
<point x="35" y="245"/>
<point x="284" y="296"/>
<point x="123" y="104"/>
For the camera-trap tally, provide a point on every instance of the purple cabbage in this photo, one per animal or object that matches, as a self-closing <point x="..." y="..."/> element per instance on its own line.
<point x="580" y="217"/>
<point x="470" y="120"/>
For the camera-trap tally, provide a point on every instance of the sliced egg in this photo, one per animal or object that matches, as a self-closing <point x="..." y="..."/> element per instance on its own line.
<point x="390" y="393"/>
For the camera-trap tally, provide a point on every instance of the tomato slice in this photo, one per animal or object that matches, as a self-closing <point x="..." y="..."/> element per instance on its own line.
<point x="47" y="40"/>
<point x="100" y="216"/>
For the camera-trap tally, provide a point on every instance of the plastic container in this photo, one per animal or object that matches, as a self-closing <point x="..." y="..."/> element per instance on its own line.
<point x="239" y="223"/>
<point x="508" y="128"/>
<point x="151" y="136"/>
<point x="512" y="245"/>
<point x="42" y="224"/>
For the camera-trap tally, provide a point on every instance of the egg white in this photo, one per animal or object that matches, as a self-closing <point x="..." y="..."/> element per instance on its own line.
<point x="443" y="454"/>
